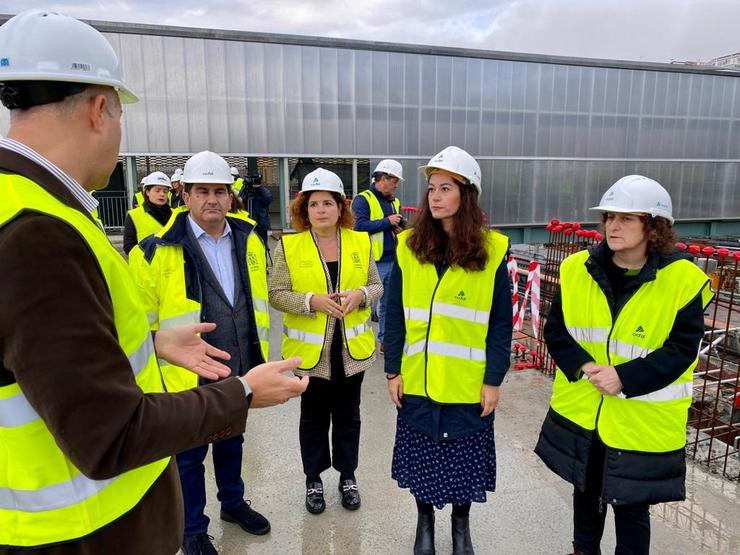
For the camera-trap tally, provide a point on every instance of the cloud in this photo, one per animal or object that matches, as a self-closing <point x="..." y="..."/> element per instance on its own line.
<point x="650" y="30"/>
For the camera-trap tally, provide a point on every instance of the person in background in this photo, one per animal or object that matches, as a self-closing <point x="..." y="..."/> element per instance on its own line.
<point x="448" y="340"/>
<point x="257" y="199"/>
<point x="326" y="320"/>
<point x="152" y="215"/>
<point x="176" y="193"/>
<point x="215" y="252"/>
<point x="624" y="330"/>
<point x="377" y="212"/>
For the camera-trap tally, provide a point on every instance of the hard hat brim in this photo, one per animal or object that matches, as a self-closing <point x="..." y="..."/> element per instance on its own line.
<point x="619" y="210"/>
<point x="125" y="94"/>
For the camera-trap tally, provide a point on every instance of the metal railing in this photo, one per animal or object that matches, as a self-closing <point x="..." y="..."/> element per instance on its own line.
<point x="112" y="210"/>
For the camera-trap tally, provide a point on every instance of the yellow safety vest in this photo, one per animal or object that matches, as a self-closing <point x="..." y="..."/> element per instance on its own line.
<point x="444" y="357"/>
<point x="304" y="336"/>
<point x="139" y="198"/>
<point x="44" y="498"/>
<point x="144" y="223"/>
<point x="162" y="292"/>
<point x="376" y="213"/>
<point x="655" y="422"/>
<point x="237" y="186"/>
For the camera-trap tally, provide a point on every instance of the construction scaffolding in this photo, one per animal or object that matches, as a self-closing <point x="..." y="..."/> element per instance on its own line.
<point x="713" y="433"/>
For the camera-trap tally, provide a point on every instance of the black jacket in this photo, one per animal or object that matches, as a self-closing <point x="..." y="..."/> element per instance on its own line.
<point x="629" y="477"/>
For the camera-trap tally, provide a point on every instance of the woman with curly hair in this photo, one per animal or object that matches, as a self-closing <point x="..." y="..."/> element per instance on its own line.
<point x="324" y="280"/>
<point x="624" y="330"/>
<point x="447" y="341"/>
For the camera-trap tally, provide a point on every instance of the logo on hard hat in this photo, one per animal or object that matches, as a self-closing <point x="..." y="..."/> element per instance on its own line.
<point x="609" y="196"/>
<point x="661" y="205"/>
<point x="4" y="62"/>
<point x="316" y="181"/>
<point x="209" y="172"/>
<point x="439" y="157"/>
<point x="81" y="66"/>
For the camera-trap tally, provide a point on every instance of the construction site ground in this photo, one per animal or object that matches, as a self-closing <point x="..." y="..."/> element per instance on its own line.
<point x="529" y="513"/>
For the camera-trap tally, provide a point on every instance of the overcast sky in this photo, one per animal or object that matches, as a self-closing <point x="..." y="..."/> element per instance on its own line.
<point x="648" y="30"/>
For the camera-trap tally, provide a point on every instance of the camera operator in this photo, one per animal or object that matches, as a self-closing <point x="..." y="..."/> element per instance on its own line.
<point x="257" y="199"/>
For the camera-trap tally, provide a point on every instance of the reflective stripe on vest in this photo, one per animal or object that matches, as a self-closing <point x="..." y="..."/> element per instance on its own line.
<point x="654" y="422"/>
<point x="44" y="499"/>
<point x="167" y="299"/>
<point x="305" y="336"/>
<point x="446" y="324"/>
<point x="376" y="213"/>
<point x="144" y="223"/>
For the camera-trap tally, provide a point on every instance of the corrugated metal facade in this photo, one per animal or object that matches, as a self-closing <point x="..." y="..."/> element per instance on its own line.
<point x="550" y="136"/>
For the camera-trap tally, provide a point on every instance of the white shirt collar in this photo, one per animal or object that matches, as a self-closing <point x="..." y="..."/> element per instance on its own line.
<point x="199" y="231"/>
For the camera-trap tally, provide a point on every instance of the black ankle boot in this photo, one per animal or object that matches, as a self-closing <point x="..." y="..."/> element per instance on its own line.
<point x="461" y="542"/>
<point x="424" y="544"/>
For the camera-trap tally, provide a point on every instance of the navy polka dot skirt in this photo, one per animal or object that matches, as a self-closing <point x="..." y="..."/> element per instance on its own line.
<point x="454" y="471"/>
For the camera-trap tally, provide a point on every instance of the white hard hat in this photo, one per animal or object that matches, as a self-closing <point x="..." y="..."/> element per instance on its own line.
<point x="39" y="45"/>
<point x="322" y="180"/>
<point x="157" y="178"/>
<point x="455" y="160"/>
<point x="638" y="194"/>
<point x="234" y="171"/>
<point x="177" y="176"/>
<point x="207" y="167"/>
<point x="391" y="167"/>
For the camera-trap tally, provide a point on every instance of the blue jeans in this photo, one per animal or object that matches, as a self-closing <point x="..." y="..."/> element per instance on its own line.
<point x="384" y="269"/>
<point x="227" y="465"/>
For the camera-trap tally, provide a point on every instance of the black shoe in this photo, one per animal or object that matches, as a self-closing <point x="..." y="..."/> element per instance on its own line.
<point x="350" y="495"/>
<point x="315" y="503"/>
<point x="461" y="542"/>
<point x="246" y="517"/>
<point x="198" y="544"/>
<point x="374" y="317"/>
<point x="424" y="544"/>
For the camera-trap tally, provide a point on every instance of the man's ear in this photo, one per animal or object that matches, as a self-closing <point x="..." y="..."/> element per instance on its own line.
<point x="98" y="111"/>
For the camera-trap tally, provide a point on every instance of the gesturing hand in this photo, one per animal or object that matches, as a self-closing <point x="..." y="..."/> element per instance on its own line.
<point x="270" y="386"/>
<point x="327" y="304"/>
<point x="182" y="346"/>
<point x="395" y="219"/>
<point x="350" y="300"/>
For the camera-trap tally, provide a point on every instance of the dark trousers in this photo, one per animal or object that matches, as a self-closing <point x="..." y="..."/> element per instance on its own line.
<point x="335" y="402"/>
<point x="632" y="522"/>
<point x="227" y="465"/>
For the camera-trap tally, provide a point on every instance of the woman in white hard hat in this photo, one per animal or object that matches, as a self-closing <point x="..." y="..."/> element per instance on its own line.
<point x="324" y="279"/>
<point x="624" y="331"/>
<point x="151" y="216"/>
<point x="447" y="344"/>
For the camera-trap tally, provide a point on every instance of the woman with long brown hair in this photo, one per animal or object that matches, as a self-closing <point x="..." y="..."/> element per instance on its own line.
<point x="448" y="337"/>
<point x="324" y="280"/>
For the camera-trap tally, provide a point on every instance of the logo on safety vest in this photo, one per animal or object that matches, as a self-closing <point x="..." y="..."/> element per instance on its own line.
<point x="639" y="332"/>
<point x="461" y="296"/>
<point x="252" y="261"/>
<point x="356" y="260"/>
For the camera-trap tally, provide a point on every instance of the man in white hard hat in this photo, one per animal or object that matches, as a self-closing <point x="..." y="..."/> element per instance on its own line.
<point x="377" y="211"/>
<point x="176" y="193"/>
<point x="86" y="432"/>
<point x="209" y="264"/>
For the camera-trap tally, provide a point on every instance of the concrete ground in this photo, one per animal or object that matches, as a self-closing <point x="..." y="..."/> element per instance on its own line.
<point x="529" y="514"/>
